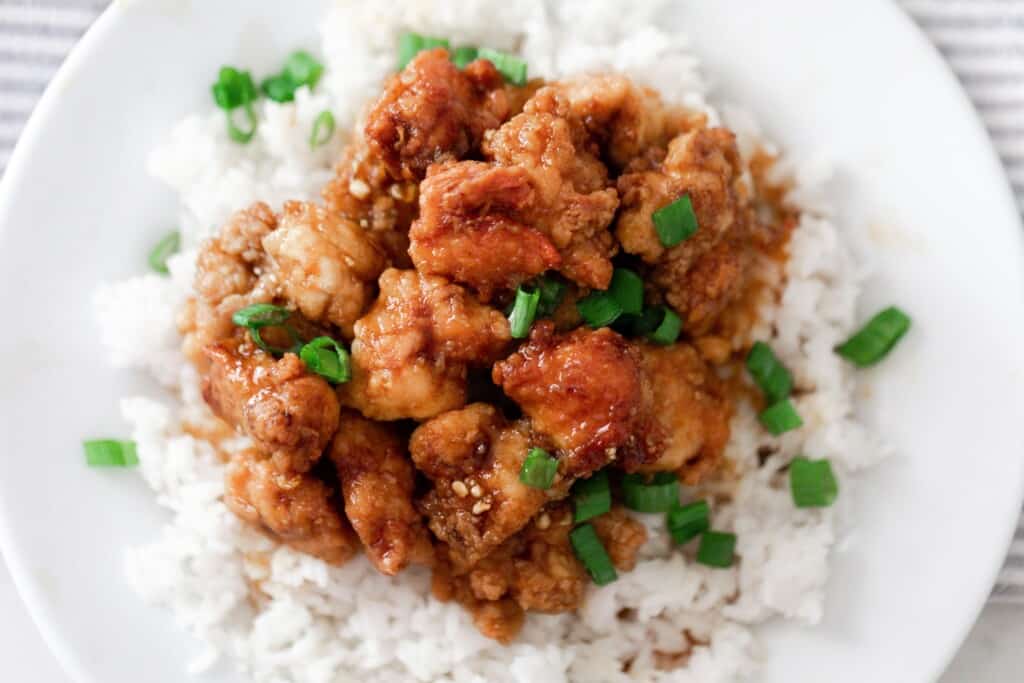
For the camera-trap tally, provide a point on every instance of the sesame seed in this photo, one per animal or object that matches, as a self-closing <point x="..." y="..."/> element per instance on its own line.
<point x="481" y="506"/>
<point x="544" y="521"/>
<point x="359" y="189"/>
<point x="476" y="491"/>
<point x="460" y="489"/>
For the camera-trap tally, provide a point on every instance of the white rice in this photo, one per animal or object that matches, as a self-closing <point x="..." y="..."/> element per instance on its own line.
<point x="325" y="624"/>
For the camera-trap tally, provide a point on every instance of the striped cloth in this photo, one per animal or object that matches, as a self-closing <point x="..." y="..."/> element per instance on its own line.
<point x="982" y="39"/>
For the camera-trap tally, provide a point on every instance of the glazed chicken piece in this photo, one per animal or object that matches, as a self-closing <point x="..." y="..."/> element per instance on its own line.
<point x="432" y="112"/>
<point x="474" y="457"/>
<point x="304" y="514"/>
<point x="324" y="264"/>
<point x="288" y="412"/>
<point x="691" y="409"/>
<point x="702" y="275"/>
<point x="412" y="349"/>
<point x="587" y="392"/>
<point x="230" y="274"/>
<point x="535" y="570"/>
<point x="377" y="481"/>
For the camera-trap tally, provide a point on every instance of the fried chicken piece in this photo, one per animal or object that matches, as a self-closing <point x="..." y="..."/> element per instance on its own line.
<point x="432" y="112"/>
<point x="474" y="457"/>
<point x="304" y="514"/>
<point x="587" y="392"/>
<point x="692" y="411"/>
<point x="702" y="275"/>
<point x="228" y="278"/>
<point x="325" y="264"/>
<point x="290" y="413"/>
<point x="413" y="346"/>
<point x="621" y="535"/>
<point x="377" y="481"/>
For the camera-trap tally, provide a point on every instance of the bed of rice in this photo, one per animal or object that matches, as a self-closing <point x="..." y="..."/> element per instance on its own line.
<point x="326" y="624"/>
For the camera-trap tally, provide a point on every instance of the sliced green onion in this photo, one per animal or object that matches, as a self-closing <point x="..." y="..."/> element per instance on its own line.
<point x="261" y="315"/>
<point x="812" y="483"/>
<point x="551" y="292"/>
<point x="164" y="249"/>
<point x="302" y="69"/>
<point x="675" y="222"/>
<point x="463" y="56"/>
<point x="538" y="470"/>
<point x="667" y="331"/>
<point x="591" y="497"/>
<point x="770" y="375"/>
<point x="687" y="522"/>
<point x="278" y="88"/>
<point x="327" y="358"/>
<point x="241" y="135"/>
<point x="110" y="453"/>
<point x="659" y="494"/>
<point x="590" y="551"/>
<point x="876" y="339"/>
<point x="411" y="44"/>
<point x="523" y="313"/>
<point x="628" y="289"/>
<point x="323" y="129"/>
<point x="511" y="67"/>
<point x="716" y="549"/>
<point x="780" y="417"/>
<point x="233" y="88"/>
<point x="599" y="309"/>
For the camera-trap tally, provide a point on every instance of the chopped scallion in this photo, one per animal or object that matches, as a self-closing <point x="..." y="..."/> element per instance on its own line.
<point x="464" y="56"/>
<point x="780" y="417"/>
<point x="675" y="222"/>
<point x="411" y="44"/>
<point x="628" y="290"/>
<point x="770" y="375"/>
<point x="327" y="358"/>
<point x="716" y="549"/>
<point x="278" y="88"/>
<point x="876" y="339"/>
<point x="302" y="69"/>
<point x="323" y="129"/>
<point x="164" y="249"/>
<point x="667" y="331"/>
<point x="523" y="313"/>
<point x="234" y="89"/>
<point x="687" y="522"/>
<point x="591" y="553"/>
<point x="591" y="497"/>
<point x="599" y="309"/>
<point x="243" y="135"/>
<point x="659" y="494"/>
<point x="539" y="469"/>
<point x="551" y="292"/>
<point x="260" y="316"/>
<point x="511" y="67"/>
<point x="812" y="483"/>
<point x="110" y="453"/>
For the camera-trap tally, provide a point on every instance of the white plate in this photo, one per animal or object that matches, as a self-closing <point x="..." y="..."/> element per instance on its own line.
<point x="853" y="82"/>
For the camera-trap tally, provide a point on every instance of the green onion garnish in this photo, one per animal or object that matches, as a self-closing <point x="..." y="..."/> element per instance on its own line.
<point x="628" y="289"/>
<point x="234" y="89"/>
<point x="278" y="88"/>
<point x="463" y="56"/>
<point x="259" y="316"/>
<point x="675" y="222"/>
<point x="876" y="339"/>
<point x="323" y="129"/>
<point x="591" y="497"/>
<point x="591" y="552"/>
<point x="243" y="135"/>
<point x="667" y="331"/>
<point x="551" y="292"/>
<point x="660" y="494"/>
<point x="411" y="44"/>
<point x="110" y="453"/>
<point x="812" y="483"/>
<point x="687" y="522"/>
<point x="780" y="417"/>
<point x="716" y="549"/>
<point x="511" y="67"/>
<point x="302" y="69"/>
<point x="523" y="313"/>
<point x="164" y="249"/>
<point x="327" y="358"/>
<point x="538" y="470"/>
<point x="770" y="375"/>
<point x="599" y="309"/>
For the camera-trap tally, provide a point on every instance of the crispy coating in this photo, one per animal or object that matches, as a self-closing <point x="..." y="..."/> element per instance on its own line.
<point x="230" y="274"/>
<point x="586" y="391"/>
<point x="474" y="456"/>
<point x="324" y="264"/>
<point x="289" y="413"/>
<point x="702" y="275"/>
<point x="432" y="112"/>
<point x="411" y="349"/>
<point x="691" y="409"/>
<point x="621" y="535"/>
<point x="377" y="482"/>
<point x="304" y="514"/>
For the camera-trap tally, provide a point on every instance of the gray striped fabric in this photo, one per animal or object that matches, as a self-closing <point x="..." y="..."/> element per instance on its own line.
<point x="982" y="39"/>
